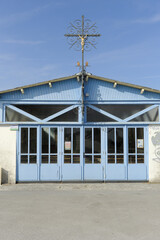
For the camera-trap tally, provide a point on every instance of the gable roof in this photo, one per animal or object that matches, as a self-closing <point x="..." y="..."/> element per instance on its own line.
<point x="75" y="76"/>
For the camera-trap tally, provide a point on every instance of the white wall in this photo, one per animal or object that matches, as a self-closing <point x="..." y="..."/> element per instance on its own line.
<point x="8" y="154"/>
<point x="154" y="153"/>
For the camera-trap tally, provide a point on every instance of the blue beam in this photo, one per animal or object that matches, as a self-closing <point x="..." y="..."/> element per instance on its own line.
<point x="24" y="113"/>
<point x="59" y="113"/>
<point x="105" y="113"/>
<point x="140" y="113"/>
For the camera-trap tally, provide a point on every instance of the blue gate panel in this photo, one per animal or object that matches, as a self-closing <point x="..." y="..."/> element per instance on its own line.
<point x="93" y="172"/>
<point x="71" y="172"/>
<point x="137" y="172"/>
<point x="116" y="172"/>
<point x="49" y="172"/>
<point x="28" y="172"/>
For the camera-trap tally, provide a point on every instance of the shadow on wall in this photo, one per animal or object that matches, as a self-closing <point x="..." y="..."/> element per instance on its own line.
<point x="4" y="176"/>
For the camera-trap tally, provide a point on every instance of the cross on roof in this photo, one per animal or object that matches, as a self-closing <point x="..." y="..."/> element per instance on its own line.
<point x="81" y="35"/>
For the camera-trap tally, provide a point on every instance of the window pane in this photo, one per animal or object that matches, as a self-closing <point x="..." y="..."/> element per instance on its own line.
<point x="41" y="111"/>
<point x="24" y="140"/>
<point x="111" y="158"/>
<point x="45" y="159"/>
<point x="45" y="139"/>
<point x="122" y="110"/>
<point x="13" y="116"/>
<point x="53" y="158"/>
<point x="140" y="158"/>
<point x="67" y="158"/>
<point x="150" y="116"/>
<point x="111" y="140"/>
<point x="33" y="140"/>
<point x="97" y="159"/>
<point x="88" y="159"/>
<point x="97" y="140"/>
<point x="119" y="140"/>
<point x="32" y="159"/>
<point x="67" y="140"/>
<point x="140" y="140"/>
<point x="131" y="140"/>
<point x="88" y="140"/>
<point x="132" y="159"/>
<point x="76" y="159"/>
<point x="120" y="159"/>
<point x="76" y="140"/>
<point x="94" y="116"/>
<point x="71" y="116"/>
<point x="24" y="159"/>
<point x="53" y="140"/>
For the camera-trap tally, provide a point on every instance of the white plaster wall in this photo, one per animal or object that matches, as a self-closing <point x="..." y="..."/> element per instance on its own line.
<point x="154" y="153"/>
<point x="8" y="154"/>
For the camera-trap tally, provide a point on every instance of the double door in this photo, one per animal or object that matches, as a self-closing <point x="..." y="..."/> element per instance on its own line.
<point x="49" y="153"/>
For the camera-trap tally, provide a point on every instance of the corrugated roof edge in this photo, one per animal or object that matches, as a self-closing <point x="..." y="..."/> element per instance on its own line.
<point x="124" y="84"/>
<point x="74" y="76"/>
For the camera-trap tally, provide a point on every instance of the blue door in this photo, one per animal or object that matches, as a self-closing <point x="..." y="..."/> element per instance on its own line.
<point x="137" y="161"/>
<point x="28" y="160"/>
<point x="93" y="169"/>
<point x="50" y="160"/>
<point x="115" y="157"/>
<point x="71" y="154"/>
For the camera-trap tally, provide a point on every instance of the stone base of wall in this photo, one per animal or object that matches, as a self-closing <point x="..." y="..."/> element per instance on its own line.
<point x="7" y="155"/>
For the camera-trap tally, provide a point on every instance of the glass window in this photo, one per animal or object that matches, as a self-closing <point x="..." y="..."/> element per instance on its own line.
<point x="71" y="116"/>
<point x="97" y="140"/>
<point x="140" y="158"/>
<point x="97" y="159"/>
<point x="13" y="116"/>
<point x="131" y="140"/>
<point x="88" y="159"/>
<point x="24" y="159"/>
<point x="111" y="158"/>
<point x="45" y="159"/>
<point x="94" y="116"/>
<point x="33" y="140"/>
<point x="88" y="140"/>
<point x="53" y="140"/>
<point x="120" y="159"/>
<point x="150" y="116"/>
<point x="32" y="159"/>
<point x="53" y="159"/>
<point x="41" y="111"/>
<point x="122" y="110"/>
<point x="119" y="140"/>
<point x="76" y="140"/>
<point x="140" y="140"/>
<point x="67" y="140"/>
<point x="45" y="140"/>
<point x="111" y="140"/>
<point x="67" y="158"/>
<point x="24" y="140"/>
<point x="132" y="159"/>
<point x="76" y="159"/>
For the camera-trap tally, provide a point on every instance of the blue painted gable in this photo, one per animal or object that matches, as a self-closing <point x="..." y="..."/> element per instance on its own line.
<point x="68" y="90"/>
<point x="99" y="90"/>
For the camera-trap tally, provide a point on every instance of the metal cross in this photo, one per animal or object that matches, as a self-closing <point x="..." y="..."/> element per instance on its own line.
<point x="81" y="35"/>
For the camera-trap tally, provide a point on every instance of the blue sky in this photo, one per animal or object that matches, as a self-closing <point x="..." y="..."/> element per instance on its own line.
<point x="33" y="47"/>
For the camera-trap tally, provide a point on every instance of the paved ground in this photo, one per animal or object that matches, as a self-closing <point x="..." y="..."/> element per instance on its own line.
<point x="80" y="211"/>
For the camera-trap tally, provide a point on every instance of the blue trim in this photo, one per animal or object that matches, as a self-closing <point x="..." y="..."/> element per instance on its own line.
<point x="59" y="113"/>
<point x="23" y="113"/>
<point x="105" y="113"/>
<point x="140" y="113"/>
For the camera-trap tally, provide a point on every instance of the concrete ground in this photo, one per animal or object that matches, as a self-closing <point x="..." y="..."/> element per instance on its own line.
<point x="80" y="211"/>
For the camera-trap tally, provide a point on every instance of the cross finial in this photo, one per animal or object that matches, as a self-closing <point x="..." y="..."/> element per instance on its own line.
<point x="82" y="36"/>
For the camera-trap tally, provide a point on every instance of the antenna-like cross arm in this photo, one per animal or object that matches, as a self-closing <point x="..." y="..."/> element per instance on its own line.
<point x="77" y="35"/>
